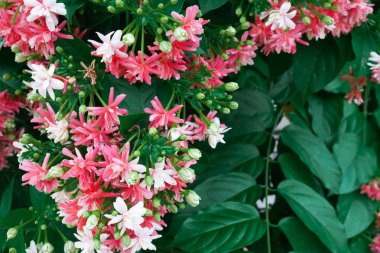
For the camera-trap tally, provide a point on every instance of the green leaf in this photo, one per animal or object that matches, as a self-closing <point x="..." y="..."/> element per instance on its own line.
<point x="316" y="213"/>
<point x="356" y="211"/>
<point x="323" y="64"/>
<point x="300" y="237"/>
<point x="360" y="245"/>
<point x="6" y="199"/>
<point x="326" y="112"/>
<point x="9" y="66"/>
<point x="358" y="163"/>
<point x="220" y="228"/>
<point x="72" y="6"/>
<point x="209" y="5"/>
<point x="293" y="168"/>
<point x="313" y="152"/>
<point x="37" y="198"/>
<point x="76" y="47"/>
<point x="15" y="217"/>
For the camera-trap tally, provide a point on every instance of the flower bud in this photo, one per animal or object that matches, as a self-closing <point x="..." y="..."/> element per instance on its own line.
<point x="328" y="20"/>
<point x="173" y="208"/>
<point x="230" y="31"/>
<point x="11" y="233"/>
<point x="166" y="46"/>
<point x="242" y="20"/>
<point x="180" y="34"/>
<point x="70" y="247"/>
<point x="139" y="11"/>
<point x="87" y="214"/>
<point x="186" y="174"/>
<point x="111" y="9"/>
<point x="120" y="3"/>
<point x="160" y="6"/>
<point x="231" y="86"/>
<point x="153" y="131"/>
<point x="157" y="216"/>
<point x="149" y="181"/>
<point x="47" y="248"/>
<point x="173" y="2"/>
<point x="126" y="240"/>
<point x="43" y="227"/>
<point x="200" y="95"/>
<point x="98" y="244"/>
<point x="225" y="56"/>
<point x="20" y="58"/>
<point x="306" y="20"/>
<point x="129" y="39"/>
<point x="54" y="172"/>
<point x="195" y="153"/>
<point x="159" y="30"/>
<point x="245" y="25"/>
<point x="233" y="105"/>
<point x="164" y="19"/>
<point x="82" y="109"/>
<point x="148" y="212"/>
<point x="15" y="49"/>
<point x="226" y="110"/>
<point x="156" y="202"/>
<point x="7" y="76"/>
<point x="92" y="222"/>
<point x="133" y="178"/>
<point x="238" y="11"/>
<point x="12" y="250"/>
<point x="192" y="198"/>
<point x="117" y="235"/>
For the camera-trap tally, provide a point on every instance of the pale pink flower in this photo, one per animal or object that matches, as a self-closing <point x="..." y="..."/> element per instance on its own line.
<point x="282" y="18"/>
<point x="45" y="8"/>
<point x="215" y="132"/>
<point x="140" y="67"/>
<point x="374" y="63"/>
<point x="143" y="240"/>
<point x="44" y="80"/>
<point x="162" y="176"/>
<point x="127" y="218"/>
<point x="375" y="245"/>
<point x="192" y="26"/>
<point x="86" y="242"/>
<point x="159" y="117"/>
<point x="109" y="46"/>
<point x="36" y="175"/>
<point x="109" y="115"/>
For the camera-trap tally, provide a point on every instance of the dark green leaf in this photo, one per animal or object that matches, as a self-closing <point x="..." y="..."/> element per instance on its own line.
<point x="300" y="237"/>
<point x="221" y="228"/>
<point x="316" y="213"/>
<point x="209" y="5"/>
<point x="6" y="199"/>
<point x="313" y="152"/>
<point x="72" y="6"/>
<point x="356" y="211"/>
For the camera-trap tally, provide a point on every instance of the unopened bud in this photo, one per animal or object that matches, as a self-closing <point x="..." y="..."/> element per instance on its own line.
<point x="173" y="2"/>
<point x="180" y="34"/>
<point x="148" y="212"/>
<point x="133" y="178"/>
<point x="166" y="46"/>
<point x="226" y="110"/>
<point x="159" y="30"/>
<point x="230" y="31"/>
<point x="306" y="20"/>
<point x="173" y="208"/>
<point x="157" y="216"/>
<point x="128" y="39"/>
<point x="231" y="86"/>
<point x="120" y="3"/>
<point x="153" y="131"/>
<point x="149" y="181"/>
<point x="15" y="49"/>
<point x="20" y="57"/>
<point x="192" y="198"/>
<point x="111" y="9"/>
<point x="54" y="172"/>
<point x="126" y="240"/>
<point x="245" y="25"/>
<point x="98" y="244"/>
<point x="200" y="95"/>
<point x="11" y="233"/>
<point x="238" y="11"/>
<point x="70" y="247"/>
<point x="195" y="153"/>
<point x="7" y="76"/>
<point x="47" y="248"/>
<point x="328" y="20"/>
<point x="82" y="109"/>
<point x="156" y="202"/>
<point x="233" y="105"/>
<point x="12" y="250"/>
<point x="92" y="222"/>
<point x="160" y="6"/>
<point x="186" y="174"/>
<point x="139" y="11"/>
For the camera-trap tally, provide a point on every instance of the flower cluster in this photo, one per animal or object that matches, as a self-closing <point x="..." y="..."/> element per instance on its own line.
<point x="8" y="134"/>
<point x="372" y="190"/>
<point x="357" y="84"/>
<point x="282" y="27"/>
<point x="374" y="63"/>
<point x="30" y="27"/>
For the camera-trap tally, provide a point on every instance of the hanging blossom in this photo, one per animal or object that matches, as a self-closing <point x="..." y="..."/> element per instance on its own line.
<point x="281" y="18"/>
<point x="374" y="63"/>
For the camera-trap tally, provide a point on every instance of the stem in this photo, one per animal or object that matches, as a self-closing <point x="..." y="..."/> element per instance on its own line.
<point x="365" y="111"/>
<point x="99" y="97"/>
<point x="171" y="100"/>
<point x="267" y="165"/>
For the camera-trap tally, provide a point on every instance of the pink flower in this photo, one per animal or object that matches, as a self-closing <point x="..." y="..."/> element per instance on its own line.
<point x="140" y="67"/>
<point x="109" y="115"/>
<point x="372" y="190"/>
<point x="375" y="245"/>
<point x="159" y="117"/>
<point x="190" y="25"/>
<point x="47" y="9"/>
<point x="163" y="175"/>
<point x="36" y="175"/>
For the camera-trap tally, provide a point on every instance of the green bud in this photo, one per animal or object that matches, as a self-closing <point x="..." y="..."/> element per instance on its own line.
<point x="18" y="92"/>
<point x="160" y="6"/>
<point x="230" y="31"/>
<point x="15" y="49"/>
<point x="233" y="105"/>
<point x="326" y="5"/>
<point x="111" y="9"/>
<point x="181" y="205"/>
<point x="186" y="158"/>
<point x="149" y="181"/>
<point x="92" y="222"/>
<point x="11" y="233"/>
<point x="47" y="248"/>
<point x="195" y="153"/>
<point x="156" y="202"/>
<point x="166" y="46"/>
<point x="226" y="110"/>
<point x="186" y="174"/>
<point x="242" y="20"/>
<point x="173" y="2"/>
<point x="229" y="97"/>
<point x="139" y="11"/>
<point x="59" y="100"/>
<point x="86" y="214"/>
<point x="82" y="109"/>
<point x="164" y="19"/>
<point x="245" y="25"/>
<point x="222" y="32"/>
<point x="328" y="20"/>
<point x="306" y="20"/>
<point x="180" y="34"/>
<point x="7" y="76"/>
<point x="136" y="153"/>
<point x="43" y="227"/>
<point x="153" y="131"/>
<point x="157" y="216"/>
<point x="70" y="247"/>
<point x="173" y="208"/>
<point x="231" y="86"/>
<point x="238" y="11"/>
<point x="192" y="198"/>
<point x="129" y="39"/>
<point x="26" y="139"/>
<point x="12" y="250"/>
<point x="82" y="94"/>
<point x="133" y="178"/>
<point x="59" y="50"/>
<point x="209" y="102"/>
<point x="159" y="30"/>
<point x="126" y="240"/>
<point x="200" y="96"/>
<point x="225" y="56"/>
<point x="148" y="212"/>
<point x="145" y="2"/>
<point x="120" y="3"/>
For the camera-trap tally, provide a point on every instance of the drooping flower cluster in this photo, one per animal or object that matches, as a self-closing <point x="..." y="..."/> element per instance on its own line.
<point x="357" y="85"/>
<point x="8" y="133"/>
<point x="374" y="63"/>
<point x="30" y="27"/>
<point x="372" y="190"/>
<point x="282" y="27"/>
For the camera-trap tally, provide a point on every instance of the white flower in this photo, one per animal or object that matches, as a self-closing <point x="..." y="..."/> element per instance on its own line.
<point x="187" y="175"/>
<point x="110" y="46"/>
<point x="47" y="9"/>
<point x="69" y="247"/>
<point x="281" y="18"/>
<point x="87" y="244"/>
<point x="143" y="240"/>
<point x="23" y="148"/>
<point x="58" y="131"/>
<point x="34" y="248"/>
<point x="44" y="80"/>
<point x="374" y="61"/>
<point x="92" y="222"/>
<point x="215" y="133"/>
<point x="127" y="219"/>
<point x="161" y="175"/>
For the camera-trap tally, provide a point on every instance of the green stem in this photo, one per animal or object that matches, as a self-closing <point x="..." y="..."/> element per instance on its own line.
<point x="99" y="97"/>
<point x="267" y="165"/>
<point x="171" y="100"/>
